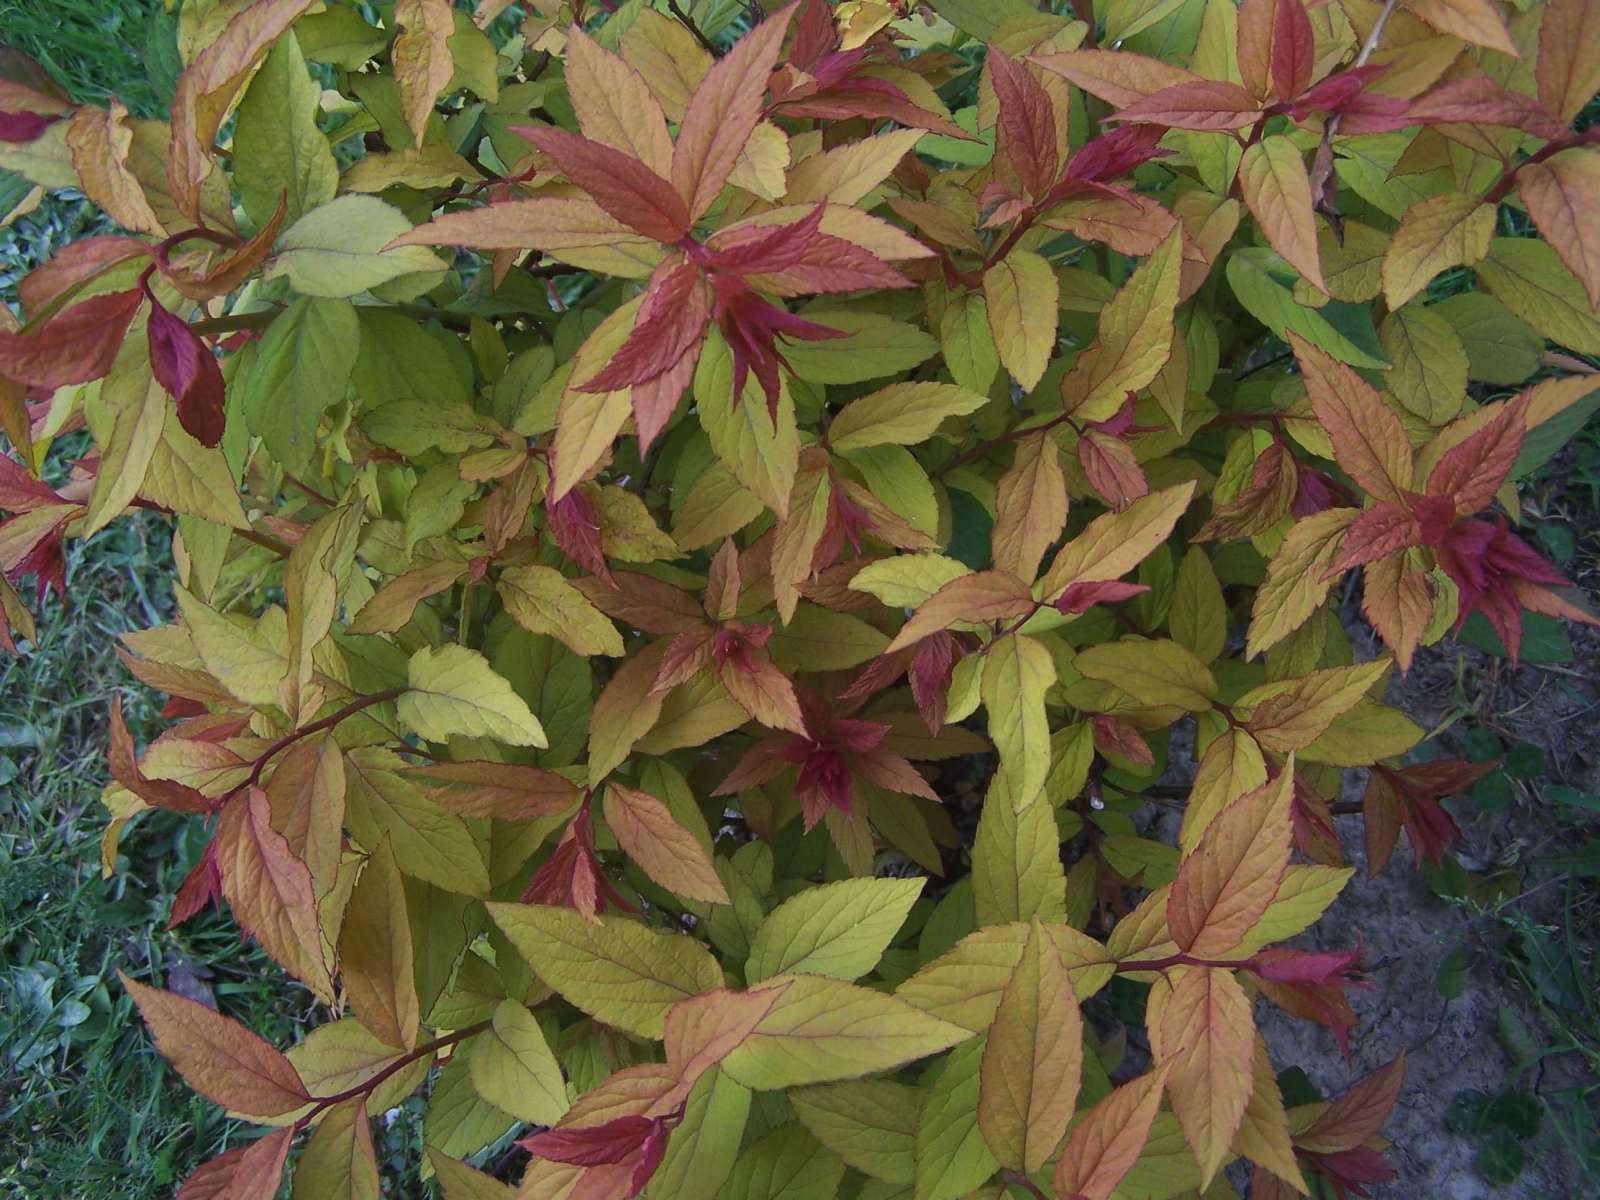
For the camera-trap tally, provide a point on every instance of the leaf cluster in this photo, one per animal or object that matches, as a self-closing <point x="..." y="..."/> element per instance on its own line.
<point x="634" y="470"/>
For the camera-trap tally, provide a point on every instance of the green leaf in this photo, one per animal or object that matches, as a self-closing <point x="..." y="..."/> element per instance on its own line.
<point x="278" y="149"/>
<point x="453" y="690"/>
<point x="513" y="1069"/>
<point x="613" y="968"/>
<point x="821" y="1029"/>
<point x="839" y="929"/>
<point x="787" y="1164"/>
<point x="875" y="346"/>
<point x="871" y="1124"/>
<point x="302" y="369"/>
<point x="1264" y="284"/>
<point x="900" y="414"/>
<point x="428" y="842"/>
<point x="968" y="343"/>
<point x="338" y="249"/>
<point x="1016" y="861"/>
<point x="703" y="1149"/>
<point x="1016" y="674"/>
<point x="762" y="455"/>
<point x="952" y="1157"/>
<point x="1540" y="444"/>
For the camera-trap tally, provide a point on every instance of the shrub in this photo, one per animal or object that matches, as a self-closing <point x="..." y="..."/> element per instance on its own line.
<point x="633" y="487"/>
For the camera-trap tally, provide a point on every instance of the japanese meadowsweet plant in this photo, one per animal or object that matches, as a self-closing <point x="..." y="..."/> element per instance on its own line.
<point x="699" y="530"/>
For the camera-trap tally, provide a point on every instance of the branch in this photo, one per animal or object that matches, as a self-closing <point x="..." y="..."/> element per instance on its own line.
<point x="289" y="739"/>
<point x="688" y="23"/>
<point x="361" y="1089"/>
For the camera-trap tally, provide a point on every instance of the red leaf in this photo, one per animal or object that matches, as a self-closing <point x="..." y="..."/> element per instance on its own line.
<point x="1080" y="597"/>
<point x="1294" y="49"/>
<point x="75" y="346"/>
<point x="594" y="1145"/>
<point x="620" y="184"/>
<point x="1482" y="101"/>
<point x="249" y="1172"/>
<point x="1471" y="472"/>
<point x="670" y="322"/>
<point x="185" y="366"/>
<point x="1112" y="469"/>
<point x="18" y="127"/>
<point x="74" y="265"/>
<point x="20" y="492"/>
<point x="1376" y="533"/>
<point x="1203" y="104"/>
<point x="1026" y="128"/>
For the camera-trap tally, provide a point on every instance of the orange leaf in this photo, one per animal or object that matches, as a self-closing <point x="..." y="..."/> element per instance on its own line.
<point x="99" y="139"/>
<point x="217" y="1056"/>
<point x="1207" y="1034"/>
<point x="1107" y="1142"/>
<point x="249" y="1172"/>
<point x="1397" y="597"/>
<point x="1568" y="70"/>
<point x="270" y="891"/>
<point x="703" y="1030"/>
<point x="1277" y="189"/>
<point x="1369" y="441"/>
<point x="1113" y="544"/>
<point x="208" y="86"/>
<point x="723" y="112"/>
<point x="1359" y="1113"/>
<point x="423" y="65"/>
<point x="1030" y="506"/>
<point x="376" y="952"/>
<point x="1232" y="875"/>
<point x="667" y="852"/>
<point x="1477" y="21"/>
<point x="1030" y="1072"/>
<point x="1263" y="1135"/>
<point x="981" y="596"/>
<point x="1563" y="198"/>
<point x="615" y="106"/>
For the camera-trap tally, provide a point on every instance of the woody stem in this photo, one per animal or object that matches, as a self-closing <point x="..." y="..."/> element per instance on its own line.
<point x="289" y="739"/>
<point x="369" y="1085"/>
<point x="1018" y="1179"/>
<point x="695" y="31"/>
<point x="1182" y="959"/>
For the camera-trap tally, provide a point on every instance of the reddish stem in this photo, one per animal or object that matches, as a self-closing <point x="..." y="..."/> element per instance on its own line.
<point x="361" y="1089"/>
<point x="289" y="739"/>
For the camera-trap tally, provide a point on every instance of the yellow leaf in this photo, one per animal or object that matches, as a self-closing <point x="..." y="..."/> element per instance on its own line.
<point x="762" y="163"/>
<point x="1528" y="276"/>
<point x="339" y="1161"/>
<point x="1115" y="543"/>
<point x="453" y="690"/>
<point x="980" y="596"/>
<point x="1017" y="672"/>
<point x="422" y="62"/>
<point x="1135" y="338"/>
<point x="964" y="984"/>
<point x="1477" y="21"/>
<point x="1277" y="189"/>
<point x="1153" y="673"/>
<point x="821" y="1029"/>
<point x="1232" y="875"/>
<point x="542" y="601"/>
<point x="461" y="1182"/>
<point x="1198" y="618"/>
<point x="100" y="140"/>
<point x="1016" y="860"/>
<point x="613" y="968"/>
<point x="1020" y="292"/>
<point x="1569" y="56"/>
<point x="1435" y="234"/>
<point x="845" y="174"/>
<point x="1231" y="766"/>
<point x="901" y="414"/>
<point x="513" y="1069"/>
<point x="615" y="106"/>
<point x="667" y="852"/>
<point x="1297" y="579"/>
<point x="1207" y="1035"/>
<point x="839" y="929"/>
<point x="1263" y="1135"/>
<point x="1303" y="895"/>
<point x="1563" y="198"/>
<point x="1289" y="714"/>
<point x="1028" y="1081"/>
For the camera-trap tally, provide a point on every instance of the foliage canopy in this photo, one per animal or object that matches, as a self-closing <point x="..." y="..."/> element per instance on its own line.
<point x="636" y="468"/>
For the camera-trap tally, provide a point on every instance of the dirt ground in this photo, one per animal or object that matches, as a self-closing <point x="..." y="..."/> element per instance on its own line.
<point x="1408" y="930"/>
